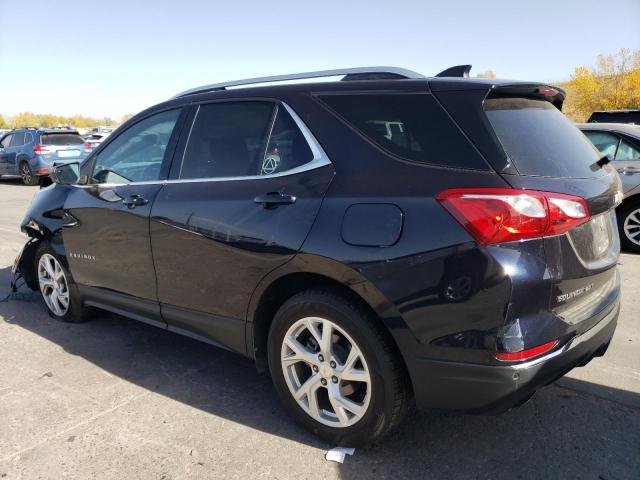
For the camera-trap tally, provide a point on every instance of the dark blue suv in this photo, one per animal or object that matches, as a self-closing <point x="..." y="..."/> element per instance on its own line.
<point x="30" y="152"/>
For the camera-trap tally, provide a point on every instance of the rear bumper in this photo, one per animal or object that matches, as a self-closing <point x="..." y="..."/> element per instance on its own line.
<point x="497" y="388"/>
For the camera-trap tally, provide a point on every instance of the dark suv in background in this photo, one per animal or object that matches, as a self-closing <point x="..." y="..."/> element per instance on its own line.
<point x="376" y="242"/>
<point x="30" y="152"/>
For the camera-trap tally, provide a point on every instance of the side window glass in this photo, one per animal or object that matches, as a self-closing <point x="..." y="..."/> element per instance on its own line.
<point x="6" y="141"/>
<point x="626" y="151"/>
<point x="287" y="147"/>
<point x="604" y="142"/>
<point x="227" y="140"/>
<point x="28" y="138"/>
<point x="136" y="155"/>
<point x="17" y="140"/>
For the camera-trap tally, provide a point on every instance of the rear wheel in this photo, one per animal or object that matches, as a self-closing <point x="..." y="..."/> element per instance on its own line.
<point x="58" y="291"/>
<point x="629" y="225"/>
<point x="28" y="178"/>
<point x="336" y="370"/>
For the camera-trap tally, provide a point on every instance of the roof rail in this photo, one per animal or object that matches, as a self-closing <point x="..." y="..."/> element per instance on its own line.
<point x="360" y="73"/>
<point x="457" y="71"/>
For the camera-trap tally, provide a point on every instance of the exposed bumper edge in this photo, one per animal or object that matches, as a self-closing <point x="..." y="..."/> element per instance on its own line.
<point x="494" y="389"/>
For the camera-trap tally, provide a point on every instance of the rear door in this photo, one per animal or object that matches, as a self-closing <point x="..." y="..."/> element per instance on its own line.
<point x="238" y="205"/>
<point x="106" y="234"/>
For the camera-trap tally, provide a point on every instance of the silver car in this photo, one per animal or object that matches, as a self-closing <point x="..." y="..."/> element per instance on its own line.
<point x="621" y="141"/>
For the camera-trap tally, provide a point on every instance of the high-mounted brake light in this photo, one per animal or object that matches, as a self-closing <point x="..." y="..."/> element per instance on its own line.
<point x="41" y="150"/>
<point x="497" y="215"/>
<point x="551" y="92"/>
<point x="525" y="354"/>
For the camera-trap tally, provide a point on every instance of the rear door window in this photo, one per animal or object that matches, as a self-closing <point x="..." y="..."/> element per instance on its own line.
<point x="17" y="140"/>
<point x="540" y="140"/>
<point x="606" y="143"/>
<point x="627" y="152"/>
<point x="411" y="126"/>
<point x="61" y="139"/>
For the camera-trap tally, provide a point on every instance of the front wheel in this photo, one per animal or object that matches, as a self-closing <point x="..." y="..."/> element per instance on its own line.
<point x="629" y="224"/>
<point x="59" y="293"/>
<point x="336" y="370"/>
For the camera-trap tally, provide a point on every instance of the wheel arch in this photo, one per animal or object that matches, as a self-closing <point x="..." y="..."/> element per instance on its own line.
<point x="297" y="276"/>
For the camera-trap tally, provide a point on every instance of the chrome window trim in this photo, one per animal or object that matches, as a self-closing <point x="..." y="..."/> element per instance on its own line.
<point x="320" y="159"/>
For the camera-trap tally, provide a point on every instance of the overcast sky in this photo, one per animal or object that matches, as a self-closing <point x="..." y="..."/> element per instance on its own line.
<point x="108" y="58"/>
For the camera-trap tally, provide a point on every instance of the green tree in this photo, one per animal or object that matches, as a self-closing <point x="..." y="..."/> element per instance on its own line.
<point x="3" y="123"/>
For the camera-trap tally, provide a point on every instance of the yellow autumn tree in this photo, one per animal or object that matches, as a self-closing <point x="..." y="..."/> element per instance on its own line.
<point x="613" y="83"/>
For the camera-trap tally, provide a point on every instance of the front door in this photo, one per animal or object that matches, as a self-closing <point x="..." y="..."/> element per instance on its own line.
<point x="242" y="202"/>
<point x="106" y="221"/>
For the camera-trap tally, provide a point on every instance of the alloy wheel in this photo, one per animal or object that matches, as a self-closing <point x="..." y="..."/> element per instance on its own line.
<point x="326" y="372"/>
<point x="53" y="284"/>
<point x="25" y="173"/>
<point x="632" y="226"/>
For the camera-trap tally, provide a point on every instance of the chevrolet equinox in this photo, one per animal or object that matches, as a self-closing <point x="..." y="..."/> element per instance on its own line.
<point x="377" y="242"/>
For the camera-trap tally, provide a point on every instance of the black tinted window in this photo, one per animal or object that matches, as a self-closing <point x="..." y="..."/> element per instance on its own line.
<point x="287" y="147"/>
<point x="228" y="140"/>
<point x="540" y="140"/>
<point x="60" y="139"/>
<point x="136" y="155"/>
<point x="412" y="126"/>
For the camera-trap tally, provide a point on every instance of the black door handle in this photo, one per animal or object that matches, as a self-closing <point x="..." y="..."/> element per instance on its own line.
<point x="274" y="199"/>
<point x="133" y="201"/>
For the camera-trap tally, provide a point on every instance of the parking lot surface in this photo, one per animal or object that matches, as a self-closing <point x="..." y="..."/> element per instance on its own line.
<point x="116" y="399"/>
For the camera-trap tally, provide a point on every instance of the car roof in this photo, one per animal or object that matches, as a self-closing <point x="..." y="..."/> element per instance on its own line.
<point x="366" y="78"/>
<point x="628" y="128"/>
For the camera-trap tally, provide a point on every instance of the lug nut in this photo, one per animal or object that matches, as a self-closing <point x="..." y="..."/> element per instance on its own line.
<point x="321" y="358"/>
<point x="315" y="368"/>
<point x="333" y="364"/>
<point x="323" y="381"/>
<point x="334" y="379"/>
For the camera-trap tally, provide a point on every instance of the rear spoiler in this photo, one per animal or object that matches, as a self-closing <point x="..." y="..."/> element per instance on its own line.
<point x="549" y="93"/>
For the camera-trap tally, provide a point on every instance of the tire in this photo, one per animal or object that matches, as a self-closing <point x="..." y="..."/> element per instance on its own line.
<point x="28" y="178"/>
<point x="629" y="226"/>
<point x="73" y="312"/>
<point x="381" y="403"/>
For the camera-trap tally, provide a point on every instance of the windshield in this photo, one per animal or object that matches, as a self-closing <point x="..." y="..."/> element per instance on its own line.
<point x="540" y="140"/>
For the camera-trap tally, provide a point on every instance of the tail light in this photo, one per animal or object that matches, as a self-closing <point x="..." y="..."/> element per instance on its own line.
<point x="496" y="215"/>
<point x="88" y="147"/>
<point x="525" y="354"/>
<point x="41" y="150"/>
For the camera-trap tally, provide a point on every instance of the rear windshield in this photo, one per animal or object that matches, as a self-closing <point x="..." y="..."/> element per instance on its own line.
<point x="540" y="140"/>
<point x="411" y="126"/>
<point x="60" y="139"/>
